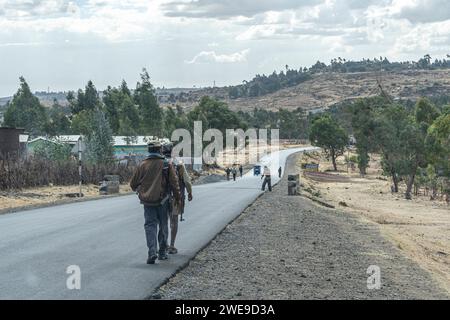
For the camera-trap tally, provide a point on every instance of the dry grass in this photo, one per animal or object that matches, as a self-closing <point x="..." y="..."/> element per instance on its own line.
<point x="324" y="90"/>
<point x="48" y="195"/>
<point x="420" y="227"/>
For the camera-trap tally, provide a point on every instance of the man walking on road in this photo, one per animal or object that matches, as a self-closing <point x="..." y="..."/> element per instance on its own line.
<point x="279" y="172"/>
<point x="185" y="184"/>
<point x="267" y="179"/>
<point x="234" y="172"/>
<point x="154" y="180"/>
<point x="241" y="170"/>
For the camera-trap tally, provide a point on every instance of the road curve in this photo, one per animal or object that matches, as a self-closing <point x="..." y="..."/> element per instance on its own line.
<point x="106" y="239"/>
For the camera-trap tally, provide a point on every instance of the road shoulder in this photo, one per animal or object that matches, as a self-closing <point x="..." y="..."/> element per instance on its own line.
<point x="285" y="247"/>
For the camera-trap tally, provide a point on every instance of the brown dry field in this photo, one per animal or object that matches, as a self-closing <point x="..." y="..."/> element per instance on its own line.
<point x="48" y="195"/>
<point x="420" y="227"/>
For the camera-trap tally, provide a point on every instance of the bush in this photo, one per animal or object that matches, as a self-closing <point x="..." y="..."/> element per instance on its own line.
<point x="39" y="171"/>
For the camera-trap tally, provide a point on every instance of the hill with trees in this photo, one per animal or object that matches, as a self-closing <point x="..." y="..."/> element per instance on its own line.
<point x="323" y="85"/>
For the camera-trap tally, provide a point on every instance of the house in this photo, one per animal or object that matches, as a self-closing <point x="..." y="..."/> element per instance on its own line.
<point x="12" y="142"/>
<point x="125" y="147"/>
<point x="38" y="142"/>
<point x="73" y="141"/>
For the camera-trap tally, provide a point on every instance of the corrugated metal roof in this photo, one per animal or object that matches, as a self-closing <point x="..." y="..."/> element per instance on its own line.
<point x="117" y="140"/>
<point x="132" y="141"/>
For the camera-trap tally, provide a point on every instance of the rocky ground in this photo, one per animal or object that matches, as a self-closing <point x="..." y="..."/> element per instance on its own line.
<point x="291" y="248"/>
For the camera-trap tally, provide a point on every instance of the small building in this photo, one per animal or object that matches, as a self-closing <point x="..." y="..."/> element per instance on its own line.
<point x="72" y="140"/>
<point x="39" y="142"/>
<point x="12" y="142"/>
<point x="125" y="147"/>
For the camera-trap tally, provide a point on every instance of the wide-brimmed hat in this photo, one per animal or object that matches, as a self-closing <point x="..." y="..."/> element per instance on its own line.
<point x="154" y="144"/>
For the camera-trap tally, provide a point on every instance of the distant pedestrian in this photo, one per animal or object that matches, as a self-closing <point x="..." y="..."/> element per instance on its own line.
<point x="241" y="170"/>
<point x="279" y="172"/>
<point x="267" y="179"/>
<point x="228" y="172"/>
<point x="234" y="172"/>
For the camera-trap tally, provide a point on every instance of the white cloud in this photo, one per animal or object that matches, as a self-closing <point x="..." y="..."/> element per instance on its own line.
<point x="222" y="9"/>
<point x="211" y="56"/>
<point x="166" y="35"/>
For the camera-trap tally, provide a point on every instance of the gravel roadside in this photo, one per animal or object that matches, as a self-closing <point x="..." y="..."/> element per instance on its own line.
<point x="291" y="248"/>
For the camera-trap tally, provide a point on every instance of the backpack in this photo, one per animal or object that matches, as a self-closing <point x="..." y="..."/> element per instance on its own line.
<point x="181" y="180"/>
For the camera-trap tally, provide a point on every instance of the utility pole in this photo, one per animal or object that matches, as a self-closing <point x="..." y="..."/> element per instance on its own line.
<point x="80" y="166"/>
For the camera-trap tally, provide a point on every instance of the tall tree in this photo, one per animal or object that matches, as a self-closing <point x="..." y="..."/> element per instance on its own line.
<point x="59" y="122"/>
<point x="363" y="114"/>
<point x="85" y="100"/>
<point x="99" y="144"/>
<point x="326" y="133"/>
<point x="25" y="111"/>
<point x="149" y="111"/>
<point x="112" y="99"/>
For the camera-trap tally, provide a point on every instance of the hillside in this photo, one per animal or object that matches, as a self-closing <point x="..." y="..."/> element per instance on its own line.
<point x="327" y="89"/>
<point x="321" y="91"/>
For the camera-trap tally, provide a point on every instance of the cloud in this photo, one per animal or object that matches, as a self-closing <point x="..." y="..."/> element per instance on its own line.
<point x="422" y="11"/>
<point x="211" y="56"/>
<point x="112" y="20"/>
<point x="28" y="9"/>
<point x="222" y="9"/>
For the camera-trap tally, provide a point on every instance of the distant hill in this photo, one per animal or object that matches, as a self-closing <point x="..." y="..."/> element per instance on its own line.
<point x="165" y="95"/>
<point x="312" y="89"/>
<point x="326" y="89"/>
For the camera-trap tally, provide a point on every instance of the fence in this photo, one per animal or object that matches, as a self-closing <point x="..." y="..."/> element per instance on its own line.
<point x="34" y="172"/>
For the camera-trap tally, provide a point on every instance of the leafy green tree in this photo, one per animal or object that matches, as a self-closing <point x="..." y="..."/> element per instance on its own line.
<point x="151" y="115"/>
<point x="52" y="151"/>
<point x="86" y="100"/>
<point x="59" y="122"/>
<point x="363" y="114"/>
<point x="112" y="99"/>
<point x="99" y="144"/>
<point x="170" y="121"/>
<point x="292" y="124"/>
<point x="81" y="122"/>
<point x="25" y="111"/>
<point x="438" y="144"/>
<point x="411" y="154"/>
<point x="215" y="114"/>
<point x="401" y="141"/>
<point x="326" y="133"/>
<point x="387" y="127"/>
<point x="425" y="113"/>
<point x="128" y="130"/>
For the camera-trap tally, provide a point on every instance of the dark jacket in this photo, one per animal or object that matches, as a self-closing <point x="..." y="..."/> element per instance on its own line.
<point x="154" y="179"/>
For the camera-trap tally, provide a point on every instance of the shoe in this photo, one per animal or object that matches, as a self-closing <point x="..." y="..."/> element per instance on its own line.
<point x="163" y="256"/>
<point x="151" y="260"/>
<point x="172" y="250"/>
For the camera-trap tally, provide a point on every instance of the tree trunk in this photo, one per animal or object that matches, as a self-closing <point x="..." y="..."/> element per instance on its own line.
<point x="409" y="186"/>
<point x="333" y="159"/>
<point x="395" y="182"/>
<point x="362" y="171"/>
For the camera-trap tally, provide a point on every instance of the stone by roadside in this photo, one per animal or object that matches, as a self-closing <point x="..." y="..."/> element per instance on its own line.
<point x="285" y="247"/>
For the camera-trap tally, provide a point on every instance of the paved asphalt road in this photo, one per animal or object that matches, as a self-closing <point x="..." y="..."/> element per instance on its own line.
<point x="106" y="239"/>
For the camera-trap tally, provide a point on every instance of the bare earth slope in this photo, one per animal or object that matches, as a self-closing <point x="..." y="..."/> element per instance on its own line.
<point x="289" y="248"/>
<point x="328" y="89"/>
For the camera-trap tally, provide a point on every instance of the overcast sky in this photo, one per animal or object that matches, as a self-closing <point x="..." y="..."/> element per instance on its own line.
<point x="61" y="44"/>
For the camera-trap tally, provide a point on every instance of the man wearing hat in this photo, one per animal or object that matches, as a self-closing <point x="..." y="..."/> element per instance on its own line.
<point x="155" y="180"/>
